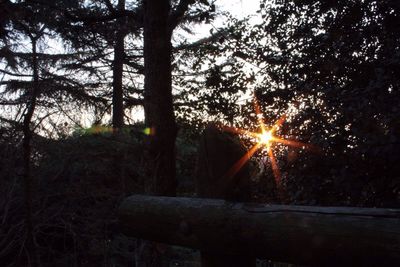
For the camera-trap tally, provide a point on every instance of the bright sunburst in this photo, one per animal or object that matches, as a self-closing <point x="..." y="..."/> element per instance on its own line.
<point x="265" y="138"/>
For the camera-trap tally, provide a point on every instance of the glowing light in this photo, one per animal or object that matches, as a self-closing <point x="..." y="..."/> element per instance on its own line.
<point x="149" y="131"/>
<point x="265" y="138"/>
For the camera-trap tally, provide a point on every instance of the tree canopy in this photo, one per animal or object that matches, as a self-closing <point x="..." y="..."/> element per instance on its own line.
<point x="110" y="97"/>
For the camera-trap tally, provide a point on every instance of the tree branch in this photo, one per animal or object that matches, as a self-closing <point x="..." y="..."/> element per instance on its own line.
<point x="210" y="39"/>
<point x="176" y="16"/>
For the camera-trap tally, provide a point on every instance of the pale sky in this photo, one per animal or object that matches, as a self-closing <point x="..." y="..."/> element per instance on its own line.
<point x="237" y="8"/>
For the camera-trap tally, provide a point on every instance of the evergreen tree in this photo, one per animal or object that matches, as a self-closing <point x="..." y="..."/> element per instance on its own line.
<point x="332" y="67"/>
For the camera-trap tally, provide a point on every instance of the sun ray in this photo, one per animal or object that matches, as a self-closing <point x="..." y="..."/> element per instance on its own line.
<point x="239" y="131"/>
<point x="278" y="124"/>
<point x="275" y="168"/>
<point x="277" y="176"/>
<point x="239" y="164"/>
<point x="265" y="138"/>
<point x="297" y="144"/>
<point x="259" y="114"/>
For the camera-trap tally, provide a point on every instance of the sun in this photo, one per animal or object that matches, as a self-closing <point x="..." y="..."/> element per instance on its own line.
<point x="264" y="139"/>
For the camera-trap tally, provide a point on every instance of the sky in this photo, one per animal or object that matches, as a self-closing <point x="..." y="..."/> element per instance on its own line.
<point x="237" y="8"/>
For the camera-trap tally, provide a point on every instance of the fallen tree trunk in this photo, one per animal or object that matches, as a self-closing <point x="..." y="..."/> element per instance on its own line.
<point x="296" y="234"/>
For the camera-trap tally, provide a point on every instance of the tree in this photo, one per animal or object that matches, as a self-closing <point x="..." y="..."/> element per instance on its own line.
<point x="34" y="35"/>
<point x="98" y="29"/>
<point x="159" y="114"/>
<point x="32" y="26"/>
<point x="327" y="66"/>
<point x="32" y="91"/>
<point x="118" y="64"/>
<point x="159" y="24"/>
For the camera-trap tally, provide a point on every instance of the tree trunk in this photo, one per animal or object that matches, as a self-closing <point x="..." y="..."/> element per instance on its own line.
<point x="158" y="108"/>
<point x="159" y="152"/>
<point x="26" y="155"/>
<point x="118" y="68"/>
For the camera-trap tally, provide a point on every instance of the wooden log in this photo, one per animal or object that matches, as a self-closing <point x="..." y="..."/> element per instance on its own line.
<point x="295" y="234"/>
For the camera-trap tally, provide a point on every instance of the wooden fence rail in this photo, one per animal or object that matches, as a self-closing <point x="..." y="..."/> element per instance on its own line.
<point x="297" y="234"/>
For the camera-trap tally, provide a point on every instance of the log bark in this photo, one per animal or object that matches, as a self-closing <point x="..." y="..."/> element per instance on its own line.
<point x="319" y="236"/>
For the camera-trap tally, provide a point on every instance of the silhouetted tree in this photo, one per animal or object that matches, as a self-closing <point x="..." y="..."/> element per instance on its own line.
<point x="332" y="67"/>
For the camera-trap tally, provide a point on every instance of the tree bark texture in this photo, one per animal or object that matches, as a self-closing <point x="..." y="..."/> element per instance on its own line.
<point x="159" y="113"/>
<point x="317" y="236"/>
<point x="118" y="68"/>
<point x="159" y="147"/>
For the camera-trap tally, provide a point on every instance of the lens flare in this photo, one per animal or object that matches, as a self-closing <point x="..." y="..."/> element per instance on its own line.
<point x="264" y="139"/>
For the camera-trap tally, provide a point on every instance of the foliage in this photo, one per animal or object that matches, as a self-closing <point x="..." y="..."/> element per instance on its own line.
<point x="332" y="68"/>
<point x="208" y="80"/>
<point x="80" y="181"/>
